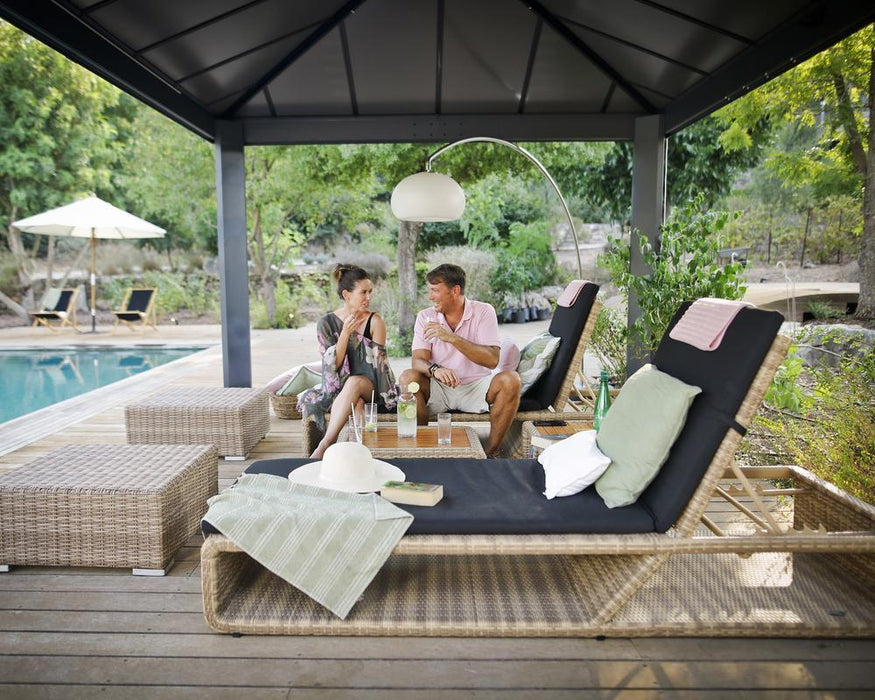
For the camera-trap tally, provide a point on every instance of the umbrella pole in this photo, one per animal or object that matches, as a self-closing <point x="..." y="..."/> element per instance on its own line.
<point x="93" y="282"/>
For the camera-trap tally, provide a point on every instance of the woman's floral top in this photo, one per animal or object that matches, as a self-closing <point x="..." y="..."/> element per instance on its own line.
<point x="363" y="357"/>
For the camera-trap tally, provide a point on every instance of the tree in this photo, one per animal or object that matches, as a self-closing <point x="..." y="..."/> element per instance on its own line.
<point x="698" y="164"/>
<point x="62" y="129"/>
<point x="833" y="93"/>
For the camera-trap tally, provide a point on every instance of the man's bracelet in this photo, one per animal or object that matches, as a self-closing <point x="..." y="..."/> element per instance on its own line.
<point x="433" y="368"/>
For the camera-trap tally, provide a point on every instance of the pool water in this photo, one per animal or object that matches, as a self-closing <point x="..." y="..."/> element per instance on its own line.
<point x="34" y="379"/>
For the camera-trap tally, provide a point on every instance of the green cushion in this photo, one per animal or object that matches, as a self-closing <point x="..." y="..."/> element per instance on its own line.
<point x="638" y="432"/>
<point x="301" y="380"/>
<point x="535" y="358"/>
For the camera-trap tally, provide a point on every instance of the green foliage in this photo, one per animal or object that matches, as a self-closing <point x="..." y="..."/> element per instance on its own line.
<point x="510" y="278"/>
<point x="609" y="342"/>
<point x="194" y="292"/>
<point x="823" y="310"/>
<point x="286" y="315"/>
<point x="684" y="268"/>
<point x="784" y="392"/>
<point x="697" y="162"/>
<point x="532" y="245"/>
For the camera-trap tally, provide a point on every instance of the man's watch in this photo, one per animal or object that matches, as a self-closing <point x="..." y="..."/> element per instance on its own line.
<point x="433" y="368"/>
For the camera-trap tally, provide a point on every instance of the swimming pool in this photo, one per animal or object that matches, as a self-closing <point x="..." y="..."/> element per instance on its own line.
<point x="34" y="379"/>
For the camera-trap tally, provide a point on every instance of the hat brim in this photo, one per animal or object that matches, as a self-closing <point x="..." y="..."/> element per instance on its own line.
<point x="309" y="474"/>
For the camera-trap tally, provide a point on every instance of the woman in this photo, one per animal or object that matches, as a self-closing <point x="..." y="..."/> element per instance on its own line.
<point x="352" y="341"/>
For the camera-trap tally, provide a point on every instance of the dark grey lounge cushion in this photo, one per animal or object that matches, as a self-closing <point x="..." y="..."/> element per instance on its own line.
<point x="567" y="323"/>
<point x="495" y="496"/>
<point x="724" y="375"/>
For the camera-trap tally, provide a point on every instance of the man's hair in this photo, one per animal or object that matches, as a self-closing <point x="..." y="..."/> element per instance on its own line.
<point x="450" y="275"/>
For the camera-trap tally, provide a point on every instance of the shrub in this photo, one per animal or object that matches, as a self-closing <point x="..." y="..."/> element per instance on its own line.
<point x="684" y="268"/>
<point x="285" y="315"/>
<point x="478" y="264"/>
<point x="609" y="342"/>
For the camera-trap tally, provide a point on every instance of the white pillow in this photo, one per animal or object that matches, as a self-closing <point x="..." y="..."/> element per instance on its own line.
<point x="536" y="357"/>
<point x="572" y="464"/>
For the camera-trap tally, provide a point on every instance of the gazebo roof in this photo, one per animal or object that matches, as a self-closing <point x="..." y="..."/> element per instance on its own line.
<point x="321" y="71"/>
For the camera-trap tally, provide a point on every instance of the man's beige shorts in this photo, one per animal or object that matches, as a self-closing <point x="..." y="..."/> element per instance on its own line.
<point x="468" y="398"/>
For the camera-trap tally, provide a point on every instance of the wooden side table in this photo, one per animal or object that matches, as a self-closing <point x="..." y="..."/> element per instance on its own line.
<point x="386" y="443"/>
<point x="535" y="438"/>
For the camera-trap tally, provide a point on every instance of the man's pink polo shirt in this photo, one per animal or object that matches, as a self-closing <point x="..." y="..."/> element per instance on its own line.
<point x="478" y="325"/>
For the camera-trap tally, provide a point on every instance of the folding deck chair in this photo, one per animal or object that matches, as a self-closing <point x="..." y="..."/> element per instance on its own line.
<point x="548" y="395"/>
<point x="138" y="309"/>
<point x="496" y="558"/>
<point x="59" y="305"/>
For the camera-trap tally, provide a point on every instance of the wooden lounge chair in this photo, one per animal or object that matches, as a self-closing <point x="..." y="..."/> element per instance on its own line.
<point x="138" y="309"/>
<point x="62" y="311"/>
<point x="547" y="396"/>
<point x="496" y="558"/>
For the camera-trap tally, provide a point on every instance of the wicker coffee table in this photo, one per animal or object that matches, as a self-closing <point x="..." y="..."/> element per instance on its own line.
<point x="127" y="506"/>
<point x="534" y="438"/>
<point x="231" y="419"/>
<point x="386" y="443"/>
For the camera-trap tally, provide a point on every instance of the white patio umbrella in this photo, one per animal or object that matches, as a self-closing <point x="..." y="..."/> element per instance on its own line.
<point x="89" y="218"/>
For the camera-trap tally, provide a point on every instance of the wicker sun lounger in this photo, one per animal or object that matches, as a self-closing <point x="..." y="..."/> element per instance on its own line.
<point x="679" y="575"/>
<point x="548" y="396"/>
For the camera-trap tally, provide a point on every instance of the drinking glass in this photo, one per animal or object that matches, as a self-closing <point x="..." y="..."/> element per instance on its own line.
<point x="445" y="428"/>
<point x="371" y="417"/>
<point x="353" y="434"/>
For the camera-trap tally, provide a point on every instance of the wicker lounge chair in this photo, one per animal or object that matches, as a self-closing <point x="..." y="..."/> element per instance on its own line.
<point x="138" y="309"/>
<point x="585" y="570"/>
<point x="547" y="396"/>
<point x="61" y="313"/>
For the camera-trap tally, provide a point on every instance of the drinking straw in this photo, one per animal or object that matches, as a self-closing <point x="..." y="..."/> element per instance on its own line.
<point x="372" y="395"/>
<point x="355" y="426"/>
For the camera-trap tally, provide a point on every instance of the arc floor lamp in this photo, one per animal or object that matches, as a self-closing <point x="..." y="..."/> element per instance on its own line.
<point x="429" y="196"/>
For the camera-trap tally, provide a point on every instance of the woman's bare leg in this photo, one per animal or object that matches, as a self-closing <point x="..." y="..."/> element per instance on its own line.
<point x="355" y="390"/>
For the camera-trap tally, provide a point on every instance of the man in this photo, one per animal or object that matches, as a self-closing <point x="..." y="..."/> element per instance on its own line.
<point x="455" y="345"/>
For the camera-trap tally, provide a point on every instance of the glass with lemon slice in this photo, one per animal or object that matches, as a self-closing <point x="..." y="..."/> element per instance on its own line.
<point x="407" y="411"/>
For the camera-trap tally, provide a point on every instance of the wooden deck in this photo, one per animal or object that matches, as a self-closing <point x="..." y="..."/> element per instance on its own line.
<point x="78" y="633"/>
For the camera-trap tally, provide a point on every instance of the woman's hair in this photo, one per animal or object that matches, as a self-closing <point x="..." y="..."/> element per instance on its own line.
<point x="347" y="276"/>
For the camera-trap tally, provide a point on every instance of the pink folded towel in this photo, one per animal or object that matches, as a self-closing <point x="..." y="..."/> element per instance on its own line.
<point x="569" y="296"/>
<point x="704" y="323"/>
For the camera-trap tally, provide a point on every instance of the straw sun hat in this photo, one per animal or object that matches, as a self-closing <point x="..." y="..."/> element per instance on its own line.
<point x="347" y="466"/>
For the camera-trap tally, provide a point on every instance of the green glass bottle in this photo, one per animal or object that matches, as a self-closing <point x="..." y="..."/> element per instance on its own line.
<point x="602" y="402"/>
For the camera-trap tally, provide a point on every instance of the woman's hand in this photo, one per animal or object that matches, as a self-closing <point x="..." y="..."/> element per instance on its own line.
<point x="350" y="323"/>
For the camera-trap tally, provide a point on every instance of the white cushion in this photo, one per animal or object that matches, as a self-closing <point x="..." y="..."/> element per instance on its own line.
<point x="572" y="464"/>
<point x="536" y="357"/>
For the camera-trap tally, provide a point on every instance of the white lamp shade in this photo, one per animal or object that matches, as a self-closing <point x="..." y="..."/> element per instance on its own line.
<point x="428" y="197"/>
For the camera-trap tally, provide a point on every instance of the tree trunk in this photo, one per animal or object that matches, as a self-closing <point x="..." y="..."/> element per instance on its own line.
<point x="268" y="294"/>
<point x="866" y="305"/>
<point x="408" y="235"/>
<point x="15" y="308"/>
<point x="16" y="247"/>
<point x="50" y="262"/>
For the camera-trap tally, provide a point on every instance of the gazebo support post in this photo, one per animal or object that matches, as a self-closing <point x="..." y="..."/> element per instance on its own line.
<point x="648" y="208"/>
<point x="233" y="265"/>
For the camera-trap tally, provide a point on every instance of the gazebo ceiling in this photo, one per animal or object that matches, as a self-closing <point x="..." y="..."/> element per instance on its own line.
<point x="433" y="70"/>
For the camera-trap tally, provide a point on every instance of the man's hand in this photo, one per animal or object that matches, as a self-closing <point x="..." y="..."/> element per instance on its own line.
<point x="435" y="331"/>
<point x="446" y="376"/>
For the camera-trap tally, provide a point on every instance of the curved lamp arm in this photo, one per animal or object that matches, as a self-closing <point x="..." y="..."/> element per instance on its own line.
<point x="538" y="164"/>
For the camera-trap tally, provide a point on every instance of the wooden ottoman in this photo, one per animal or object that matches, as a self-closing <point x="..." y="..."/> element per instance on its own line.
<point x="106" y="505"/>
<point x="231" y="419"/>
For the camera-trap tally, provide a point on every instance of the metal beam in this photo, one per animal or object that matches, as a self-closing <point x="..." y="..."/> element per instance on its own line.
<point x="530" y="64"/>
<point x="293" y="56"/>
<point x="262" y="131"/>
<point x="233" y="260"/>
<point x="72" y="36"/>
<point x="562" y="30"/>
<point x="820" y="26"/>
<point x="648" y="208"/>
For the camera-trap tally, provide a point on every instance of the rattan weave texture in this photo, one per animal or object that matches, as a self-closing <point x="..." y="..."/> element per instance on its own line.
<point x="231" y="419"/>
<point x="126" y="506"/>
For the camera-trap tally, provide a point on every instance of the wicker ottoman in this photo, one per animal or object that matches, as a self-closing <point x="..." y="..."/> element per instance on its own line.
<point x="233" y="420"/>
<point x="129" y="506"/>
